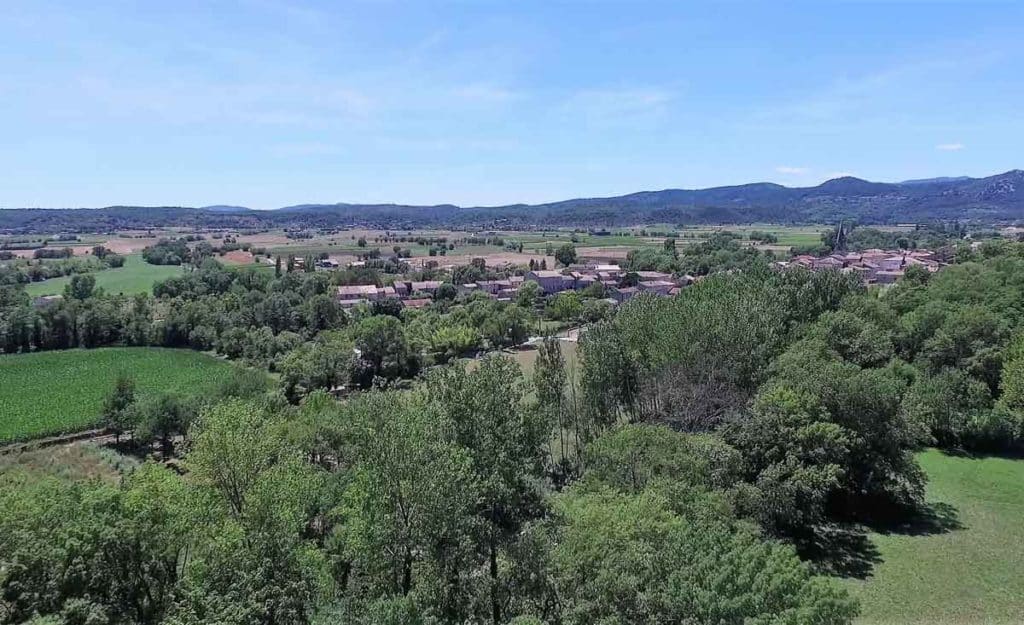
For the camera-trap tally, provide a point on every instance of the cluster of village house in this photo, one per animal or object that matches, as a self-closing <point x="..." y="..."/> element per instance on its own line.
<point x="874" y="266"/>
<point x="574" y="278"/>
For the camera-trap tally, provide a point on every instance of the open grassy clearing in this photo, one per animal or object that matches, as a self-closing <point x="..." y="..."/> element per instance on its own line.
<point x="527" y="358"/>
<point x="76" y="461"/>
<point x="967" y="566"/>
<point x="137" y="276"/>
<point x="63" y="391"/>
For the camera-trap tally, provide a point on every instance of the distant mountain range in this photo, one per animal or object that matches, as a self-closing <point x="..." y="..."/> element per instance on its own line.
<point x="224" y="208"/>
<point x="998" y="198"/>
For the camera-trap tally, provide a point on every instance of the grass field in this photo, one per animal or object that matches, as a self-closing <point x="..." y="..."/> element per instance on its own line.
<point x="63" y="391"/>
<point x="527" y="358"/>
<point x="137" y="276"/>
<point x="971" y="569"/>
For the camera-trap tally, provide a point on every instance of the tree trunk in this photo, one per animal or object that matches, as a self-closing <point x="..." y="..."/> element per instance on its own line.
<point x="407" y="574"/>
<point x="495" y="603"/>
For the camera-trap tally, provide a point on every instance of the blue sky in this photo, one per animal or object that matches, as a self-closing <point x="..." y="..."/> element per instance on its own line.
<point x="266" y="103"/>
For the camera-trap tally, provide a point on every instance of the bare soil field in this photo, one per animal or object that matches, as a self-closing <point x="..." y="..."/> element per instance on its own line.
<point x="122" y="245"/>
<point x="343" y="259"/>
<point x="266" y="239"/>
<point x="237" y="257"/>
<point x="78" y="250"/>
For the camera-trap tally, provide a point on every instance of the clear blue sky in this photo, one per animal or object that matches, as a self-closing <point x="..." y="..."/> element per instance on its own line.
<point x="266" y="103"/>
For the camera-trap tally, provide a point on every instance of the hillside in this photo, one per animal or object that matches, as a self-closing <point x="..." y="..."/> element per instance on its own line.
<point x="994" y="198"/>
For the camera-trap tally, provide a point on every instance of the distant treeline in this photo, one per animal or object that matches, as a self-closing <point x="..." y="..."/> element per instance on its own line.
<point x="996" y="198"/>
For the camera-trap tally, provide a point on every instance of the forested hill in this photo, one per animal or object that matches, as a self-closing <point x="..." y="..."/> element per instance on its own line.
<point x="995" y="198"/>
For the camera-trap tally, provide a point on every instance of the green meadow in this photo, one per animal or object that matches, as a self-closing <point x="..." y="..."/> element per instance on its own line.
<point x="967" y="565"/>
<point x="136" y="276"/>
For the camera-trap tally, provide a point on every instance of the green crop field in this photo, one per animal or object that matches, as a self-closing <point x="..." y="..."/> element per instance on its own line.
<point x="137" y="276"/>
<point x="787" y="235"/>
<point x="63" y="391"/>
<point x="966" y="569"/>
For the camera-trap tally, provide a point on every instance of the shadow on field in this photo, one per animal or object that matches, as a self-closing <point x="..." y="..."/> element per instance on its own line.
<point x="935" y="518"/>
<point x="1008" y="454"/>
<point x="846" y="550"/>
<point x="841" y="550"/>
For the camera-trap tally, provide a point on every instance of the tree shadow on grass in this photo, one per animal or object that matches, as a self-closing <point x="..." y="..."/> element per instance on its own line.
<point x="846" y="549"/>
<point x="933" y="518"/>
<point x="977" y="454"/>
<point x="841" y="550"/>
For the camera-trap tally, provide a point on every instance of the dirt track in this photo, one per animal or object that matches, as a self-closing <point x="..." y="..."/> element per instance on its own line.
<point x="100" y="436"/>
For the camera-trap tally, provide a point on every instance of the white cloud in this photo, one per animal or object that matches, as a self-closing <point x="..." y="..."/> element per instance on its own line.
<point x="796" y="171"/>
<point x="950" y="147"/>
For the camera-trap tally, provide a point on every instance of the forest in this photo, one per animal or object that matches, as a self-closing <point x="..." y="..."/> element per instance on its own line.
<point x="676" y="475"/>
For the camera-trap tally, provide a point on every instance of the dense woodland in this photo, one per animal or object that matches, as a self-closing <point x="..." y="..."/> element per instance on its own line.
<point x="675" y="476"/>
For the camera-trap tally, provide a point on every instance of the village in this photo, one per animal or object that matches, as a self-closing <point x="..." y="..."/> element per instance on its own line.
<point x="619" y="285"/>
<point x="872" y="266"/>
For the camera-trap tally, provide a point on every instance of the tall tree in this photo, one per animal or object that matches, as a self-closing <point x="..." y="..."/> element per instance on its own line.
<point x="549" y="380"/>
<point x="566" y="254"/>
<point x="408" y="507"/>
<point x="485" y="413"/>
<point x="116" y="407"/>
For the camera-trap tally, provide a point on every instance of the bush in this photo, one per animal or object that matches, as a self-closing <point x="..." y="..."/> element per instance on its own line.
<point x="167" y="252"/>
<point x="998" y="429"/>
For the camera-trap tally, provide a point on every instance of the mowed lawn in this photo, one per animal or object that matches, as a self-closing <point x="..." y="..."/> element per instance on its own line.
<point x="63" y="391"/>
<point x="967" y="575"/>
<point x="137" y="276"/>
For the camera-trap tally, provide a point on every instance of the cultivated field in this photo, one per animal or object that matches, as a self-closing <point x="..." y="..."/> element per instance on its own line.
<point x="966" y="566"/>
<point x="343" y="245"/>
<point x="63" y="391"/>
<point x="137" y="276"/>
